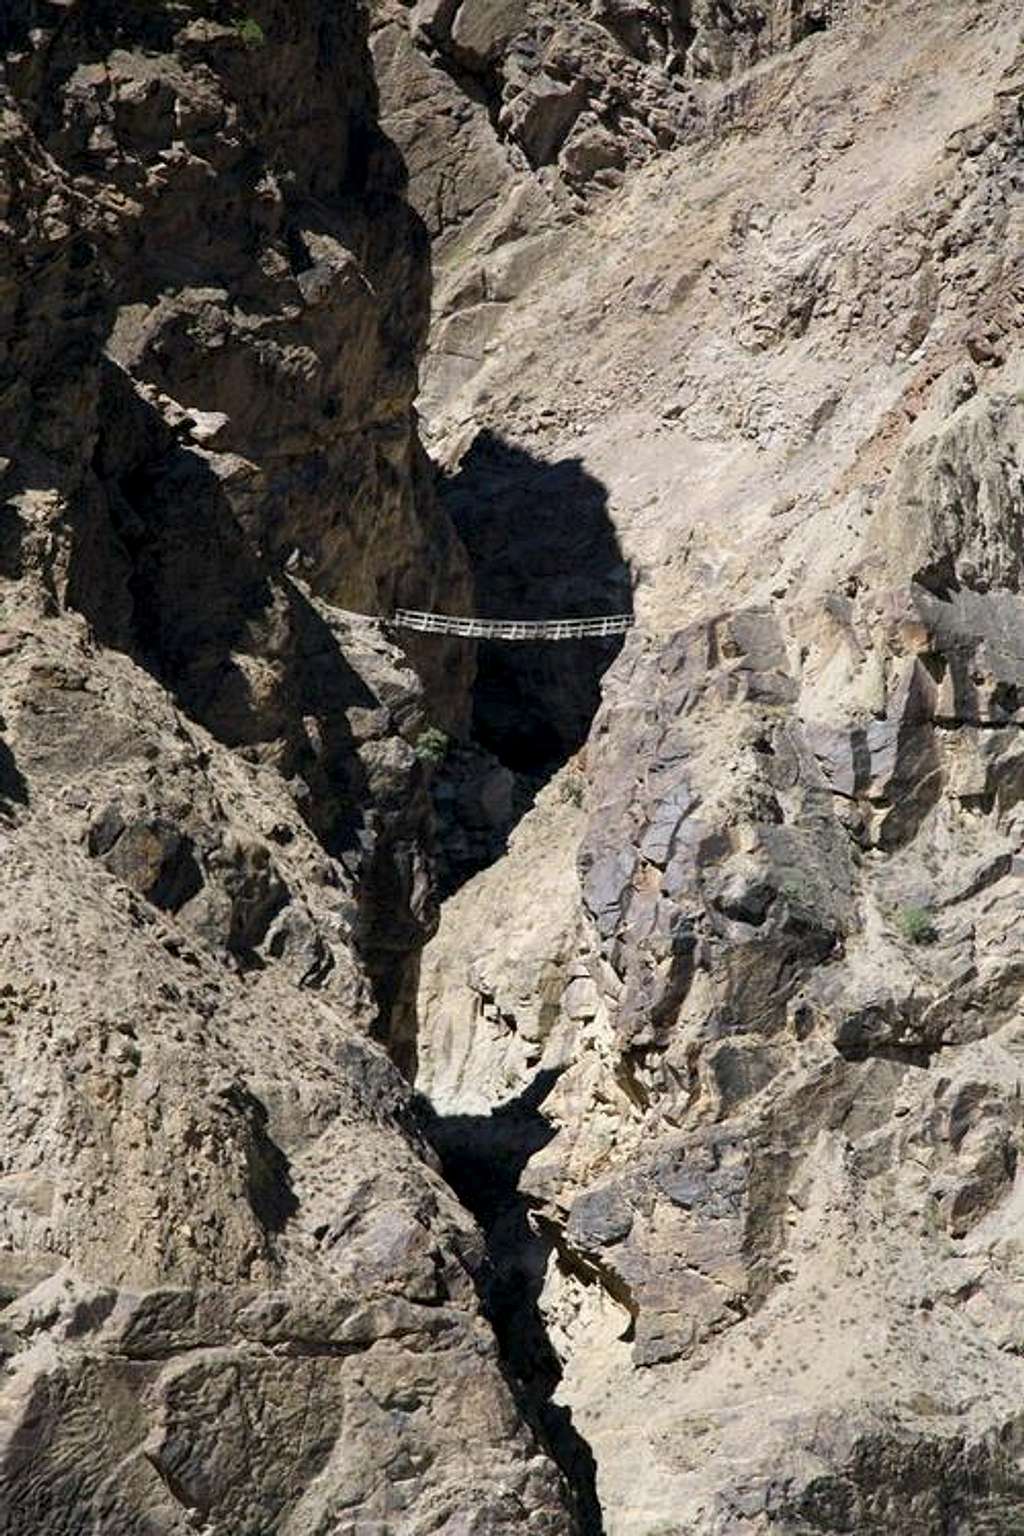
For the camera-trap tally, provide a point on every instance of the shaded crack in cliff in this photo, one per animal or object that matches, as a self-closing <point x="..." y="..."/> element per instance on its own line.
<point x="479" y="80"/>
<point x="482" y="1158"/>
<point x="541" y="545"/>
<point x="13" y="785"/>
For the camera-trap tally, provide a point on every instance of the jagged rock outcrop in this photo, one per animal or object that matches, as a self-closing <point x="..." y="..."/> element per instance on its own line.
<point x="513" y="118"/>
<point x="724" y="1052"/>
<point x="195" y="512"/>
<point x="747" y="981"/>
<point x="241" y="1298"/>
<point x="587" y="92"/>
<point x="237" y="1295"/>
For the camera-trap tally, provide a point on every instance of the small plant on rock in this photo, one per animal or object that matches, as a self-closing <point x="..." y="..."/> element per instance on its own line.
<point x="799" y="897"/>
<point x="250" y="32"/>
<point x="917" y="925"/>
<point x="570" y="791"/>
<point x="431" y="746"/>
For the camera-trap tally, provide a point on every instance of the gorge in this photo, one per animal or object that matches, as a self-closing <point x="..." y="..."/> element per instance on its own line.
<point x="556" y="1087"/>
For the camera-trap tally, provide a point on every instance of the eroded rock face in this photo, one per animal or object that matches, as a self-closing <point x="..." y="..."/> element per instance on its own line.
<point x="241" y="1297"/>
<point x="747" y="981"/>
<point x="515" y="116"/>
<point x="222" y="433"/>
<point x="236" y="1293"/>
<point x="725" y="1051"/>
<point x="583" y="91"/>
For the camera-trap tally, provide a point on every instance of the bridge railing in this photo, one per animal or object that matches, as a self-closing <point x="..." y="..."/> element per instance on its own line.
<point x="511" y="629"/>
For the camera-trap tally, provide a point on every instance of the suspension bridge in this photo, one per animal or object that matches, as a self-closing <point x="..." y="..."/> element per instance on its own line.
<point x="599" y="627"/>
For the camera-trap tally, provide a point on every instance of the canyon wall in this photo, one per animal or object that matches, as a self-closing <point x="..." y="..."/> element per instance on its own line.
<point x="666" y="1179"/>
<point x="742" y="1003"/>
<point x="515" y="118"/>
<point x="237" y="1294"/>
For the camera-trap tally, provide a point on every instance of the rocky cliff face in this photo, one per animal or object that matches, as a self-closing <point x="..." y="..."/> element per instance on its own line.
<point x="514" y="118"/>
<point x="237" y="1295"/>
<point x="674" y="1186"/>
<point x="211" y="369"/>
<point x="742" y="1002"/>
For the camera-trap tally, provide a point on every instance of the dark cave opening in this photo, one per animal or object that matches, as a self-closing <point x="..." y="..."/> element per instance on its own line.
<point x="13" y="785"/>
<point x="809" y="19"/>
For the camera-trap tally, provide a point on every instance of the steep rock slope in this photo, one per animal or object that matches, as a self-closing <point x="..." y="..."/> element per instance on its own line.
<point x="514" y="117"/>
<point x="515" y="121"/>
<point x="237" y="1297"/>
<point x="743" y="1000"/>
<point x="210" y="377"/>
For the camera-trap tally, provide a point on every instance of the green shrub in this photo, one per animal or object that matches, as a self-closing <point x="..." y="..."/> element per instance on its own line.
<point x="431" y="746"/>
<point x="250" y="32"/>
<point x="799" y="896"/>
<point x="917" y="925"/>
<point x="570" y="791"/>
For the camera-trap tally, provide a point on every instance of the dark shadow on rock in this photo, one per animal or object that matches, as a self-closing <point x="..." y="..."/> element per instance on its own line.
<point x="12" y="533"/>
<point x="268" y="1171"/>
<point x="156" y="859"/>
<point x="13" y="785"/>
<point x="483" y="1157"/>
<point x="163" y="569"/>
<point x="271" y="1195"/>
<point x="541" y="545"/>
<point x="165" y="572"/>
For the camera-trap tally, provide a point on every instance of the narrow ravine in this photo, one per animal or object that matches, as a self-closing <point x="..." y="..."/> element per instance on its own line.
<point x="482" y="1158"/>
<point x="541" y="543"/>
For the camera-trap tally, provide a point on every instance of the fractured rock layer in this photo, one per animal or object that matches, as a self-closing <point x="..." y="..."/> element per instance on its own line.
<point x="724" y="1052"/>
<point x="237" y="1295"/>
<point x="513" y="118"/>
<point x="753" y="957"/>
